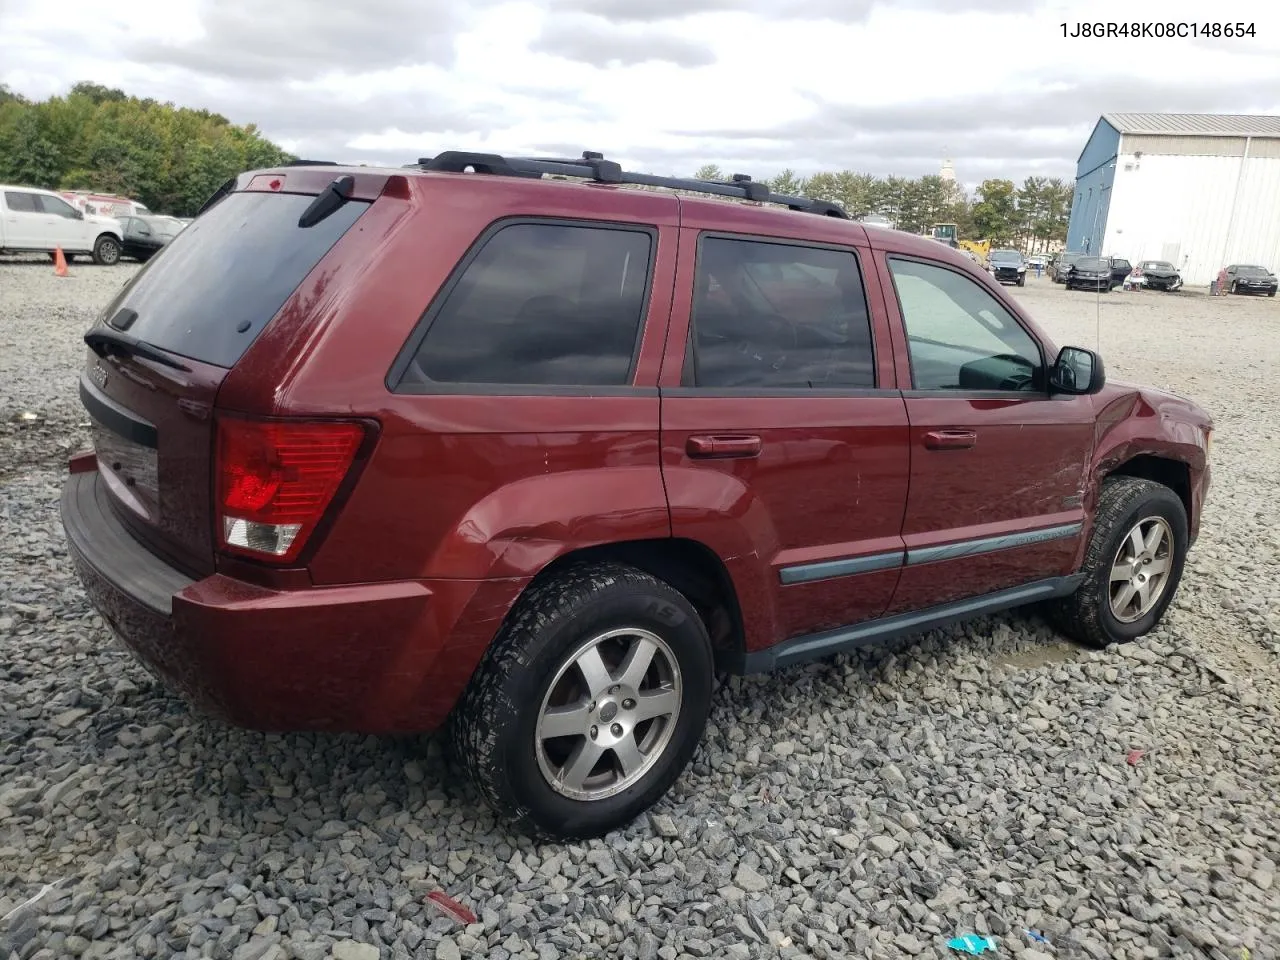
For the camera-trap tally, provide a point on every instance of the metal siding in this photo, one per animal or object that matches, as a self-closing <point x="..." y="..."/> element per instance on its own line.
<point x="1265" y="148"/>
<point x="1184" y="146"/>
<point x="1090" y="209"/>
<point x="1191" y="124"/>
<point x="1184" y="203"/>
<point x="1103" y="144"/>
<point x="1255" y="235"/>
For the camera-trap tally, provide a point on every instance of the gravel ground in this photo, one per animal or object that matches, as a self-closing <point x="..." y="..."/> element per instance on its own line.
<point x="974" y="780"/>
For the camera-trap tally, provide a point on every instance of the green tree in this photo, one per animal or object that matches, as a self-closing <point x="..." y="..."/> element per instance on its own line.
<point x="787" y="184"/>
<point x="100" y="138"/>
<point x="708" y="171"/>
<point x="995" y="213"/>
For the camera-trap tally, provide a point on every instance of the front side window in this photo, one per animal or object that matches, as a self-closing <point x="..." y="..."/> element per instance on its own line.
<point x="959" y="336"/>
<point x="542" y="304"/>
<point x="57" y="206"/>
<point x="774" y="315"/>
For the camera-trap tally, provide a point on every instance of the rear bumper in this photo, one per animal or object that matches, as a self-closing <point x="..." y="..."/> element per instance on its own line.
<point x="371" y="658"/>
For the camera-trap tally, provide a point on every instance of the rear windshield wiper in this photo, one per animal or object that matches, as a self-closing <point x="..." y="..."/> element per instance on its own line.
<point x="104" y="341"/>
<point x="329" y="200"/>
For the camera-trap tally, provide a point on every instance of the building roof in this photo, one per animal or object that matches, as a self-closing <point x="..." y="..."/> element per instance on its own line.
<point x="1194" y="124"/>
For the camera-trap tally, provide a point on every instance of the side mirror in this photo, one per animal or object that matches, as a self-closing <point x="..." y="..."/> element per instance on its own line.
<point x="77" y="214"/>
<point x="1077" y="371"/>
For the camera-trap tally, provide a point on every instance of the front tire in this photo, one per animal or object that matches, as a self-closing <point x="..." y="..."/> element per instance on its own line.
<point x="106" y="251"/>
<point x="589" y="704"/>
<point x="1132" y="566"/>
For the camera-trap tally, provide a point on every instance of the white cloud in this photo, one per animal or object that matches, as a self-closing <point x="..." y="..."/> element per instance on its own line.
<point x="666" y="85"/>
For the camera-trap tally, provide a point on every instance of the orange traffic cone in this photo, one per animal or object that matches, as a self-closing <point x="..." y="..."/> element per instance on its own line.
<point x="59" y="263"/>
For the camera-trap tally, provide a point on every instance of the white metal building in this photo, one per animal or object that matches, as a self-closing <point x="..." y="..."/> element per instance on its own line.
<point x="1199" y="190"/>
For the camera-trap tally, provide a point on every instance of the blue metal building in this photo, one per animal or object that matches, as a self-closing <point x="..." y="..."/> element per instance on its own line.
<point x="1095" y="176"/>
<point x="1201" y="191"/>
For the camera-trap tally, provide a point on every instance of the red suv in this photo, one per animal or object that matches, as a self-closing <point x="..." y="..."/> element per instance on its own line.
<point x="512" y="444"/>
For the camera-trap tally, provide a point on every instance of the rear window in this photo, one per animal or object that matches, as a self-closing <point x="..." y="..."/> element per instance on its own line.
<point x="217" y="284"/>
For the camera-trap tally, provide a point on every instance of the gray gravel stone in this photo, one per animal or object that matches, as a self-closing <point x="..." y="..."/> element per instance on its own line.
<point x="973" y="778"/>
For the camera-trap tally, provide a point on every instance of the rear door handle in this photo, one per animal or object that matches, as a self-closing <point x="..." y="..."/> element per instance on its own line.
<point x="950" y="439"/>
<point x="722" y="446"/>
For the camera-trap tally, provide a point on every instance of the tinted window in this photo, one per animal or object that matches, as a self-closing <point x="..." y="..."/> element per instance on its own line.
<point x="777" y="315"/>
<point x="234" y="266"/>
<point x="1092" y="263"/>
<point x="20" y="202"/>
<point x="1247" y="271"/>
<point x="541" y="304"/>
<point x="959" y="336"/>
<point x="57" y="205"/>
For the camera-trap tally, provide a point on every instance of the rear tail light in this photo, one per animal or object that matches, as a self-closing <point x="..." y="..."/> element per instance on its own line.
<point x="276" y="479"/>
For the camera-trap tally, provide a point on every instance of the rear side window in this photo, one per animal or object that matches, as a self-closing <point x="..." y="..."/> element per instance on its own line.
<point x="541" y="304"/>
<point x="773" y="315"/>
<point x="20" y="202"/>
<point x="221" y="280"/>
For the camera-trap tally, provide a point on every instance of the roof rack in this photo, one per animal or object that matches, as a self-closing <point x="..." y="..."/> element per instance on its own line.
<point x="593" y="166"/>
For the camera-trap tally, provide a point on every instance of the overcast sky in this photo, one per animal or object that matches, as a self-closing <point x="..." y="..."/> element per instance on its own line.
<point x="664" y="85"/>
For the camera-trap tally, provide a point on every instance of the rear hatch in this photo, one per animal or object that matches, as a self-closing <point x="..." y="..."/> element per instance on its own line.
<point x="163" y="346"/>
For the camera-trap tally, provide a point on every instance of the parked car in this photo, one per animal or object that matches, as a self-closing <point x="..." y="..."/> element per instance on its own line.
<point x="537" y="465"/>
<point x="1007" y="266"/>
<point x="1060" y="263"/>
<point x="1120" y="269"/>
<point x="1159" y="275"/>
<point x="144" y="236"/>
<point x="1249" y="278"/>
<point x="40" y="221"/>
<point x="1090" y="273"/>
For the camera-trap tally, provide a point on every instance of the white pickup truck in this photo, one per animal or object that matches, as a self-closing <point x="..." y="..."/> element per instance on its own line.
<point x="40" y="221"/>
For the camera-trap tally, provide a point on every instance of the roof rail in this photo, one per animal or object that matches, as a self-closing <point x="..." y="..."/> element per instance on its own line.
<point x="593" y="166"/>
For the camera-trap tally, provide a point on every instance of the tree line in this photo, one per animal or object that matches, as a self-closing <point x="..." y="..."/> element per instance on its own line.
<point x="98" y="138"/>
<point x="1030" y="216"/>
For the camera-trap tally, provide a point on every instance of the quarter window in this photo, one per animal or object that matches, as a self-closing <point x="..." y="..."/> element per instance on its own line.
<point x="959" y="336"/>
<point x="774" y="315"/>
<point x="542" y="304"/>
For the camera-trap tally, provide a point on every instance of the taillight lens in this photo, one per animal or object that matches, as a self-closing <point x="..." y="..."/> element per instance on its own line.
<point x="276" y="479"/>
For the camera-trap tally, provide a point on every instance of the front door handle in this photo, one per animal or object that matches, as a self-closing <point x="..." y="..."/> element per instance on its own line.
<point x="950" y="439"/>
<point x="723" y="446"/>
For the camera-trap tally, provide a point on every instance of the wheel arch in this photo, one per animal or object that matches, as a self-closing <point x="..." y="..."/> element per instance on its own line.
<point x="688" y="566"/>
<point x="1167" y="471"/>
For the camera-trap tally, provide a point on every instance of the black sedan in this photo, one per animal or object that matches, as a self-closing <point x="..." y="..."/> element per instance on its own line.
<point x="144" y="236"/>
<point x="1089" y="273"/>
<point x="1248" y="278"/>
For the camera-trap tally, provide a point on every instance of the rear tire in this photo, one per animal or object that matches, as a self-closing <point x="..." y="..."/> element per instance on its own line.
<point x="106" y="251"/>
<point x="567" y="658"/>
<point x="1132" y="566"/>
